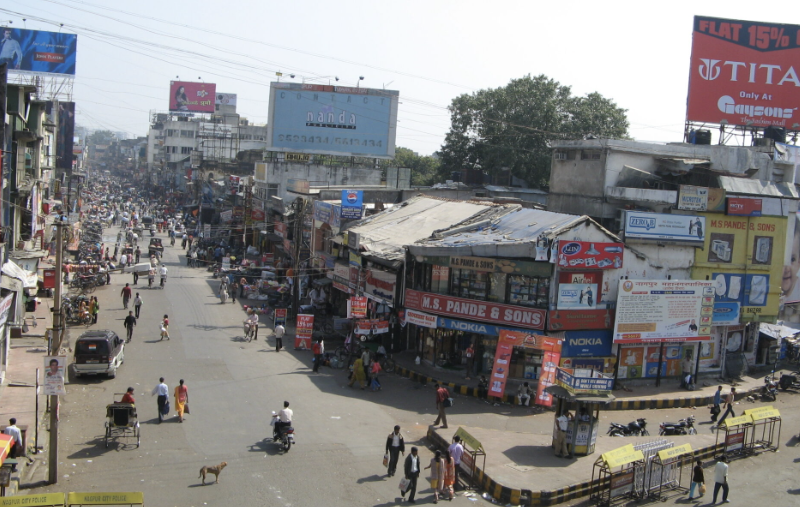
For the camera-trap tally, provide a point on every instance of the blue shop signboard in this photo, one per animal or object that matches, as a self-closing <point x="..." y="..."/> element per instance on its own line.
<point x="474" y="327"/>
<point x="568" y="379"/>
<point x="587" y="344"/>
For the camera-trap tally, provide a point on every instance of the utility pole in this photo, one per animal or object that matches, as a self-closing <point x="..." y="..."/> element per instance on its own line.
<point x="299" y="218"/>
<point x="55" y="346"/>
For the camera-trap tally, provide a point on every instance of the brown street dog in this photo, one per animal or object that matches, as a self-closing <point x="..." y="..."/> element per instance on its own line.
<point x="216" y="470"/>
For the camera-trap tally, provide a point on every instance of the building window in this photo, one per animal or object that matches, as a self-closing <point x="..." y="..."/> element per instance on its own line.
<point x="186" y="150"/>
<point x="187" y="133"/>
<point x="272" y="189"/>
<point x="590" y="155"/>
<point x="171" y="133"/>
<point x="469" y="284"/>
<point x="532" y="291"/>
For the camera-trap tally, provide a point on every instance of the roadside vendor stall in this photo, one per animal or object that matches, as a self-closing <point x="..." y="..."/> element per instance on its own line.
<point x="583" y="393"/>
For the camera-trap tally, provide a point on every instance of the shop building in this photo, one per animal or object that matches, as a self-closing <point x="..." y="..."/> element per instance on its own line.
<point x="528" y="270"/>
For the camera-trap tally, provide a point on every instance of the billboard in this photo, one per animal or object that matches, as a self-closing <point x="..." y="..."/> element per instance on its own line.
<point x="578" y="291"/>
<point x="185" y="96"/>
<point x="664" y="227"/>
<point x="352" y="201"/>
<point x="693" y="198"/>
<point x="225" y="99"/>
<point x="663" y="310"/>
<point x="743" y="73"/>
<point x="65" y="134"/>
<point x="38" y="51"/>
<point x="332" y="120"/>
<point x="744" y="207"/>
<point x="582" y="254"/>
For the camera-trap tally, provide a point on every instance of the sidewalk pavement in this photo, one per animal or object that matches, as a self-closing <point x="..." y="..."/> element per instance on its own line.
<point x="668" y="395"/>
<point x="522" y="469"/>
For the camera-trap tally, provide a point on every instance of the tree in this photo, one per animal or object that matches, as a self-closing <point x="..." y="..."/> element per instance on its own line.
<point x="100" y="137"/>
<point x="509" y="127"/>
<point x="424" y="168"/>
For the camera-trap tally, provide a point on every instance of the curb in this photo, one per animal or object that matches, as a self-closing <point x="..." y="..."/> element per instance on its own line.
<point x="633" y="404"/>
<point x="526" y="497"/>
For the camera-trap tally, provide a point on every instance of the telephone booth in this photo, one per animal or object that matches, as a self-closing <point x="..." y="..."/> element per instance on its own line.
<point x="584" y="413"/>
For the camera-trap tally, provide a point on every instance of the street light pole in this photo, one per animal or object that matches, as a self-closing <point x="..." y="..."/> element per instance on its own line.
<point x="55" y="346"/>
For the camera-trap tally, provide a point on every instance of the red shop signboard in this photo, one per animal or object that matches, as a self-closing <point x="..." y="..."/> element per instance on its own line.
<point x="744" y="207"/>
<point x="484" y="311"/>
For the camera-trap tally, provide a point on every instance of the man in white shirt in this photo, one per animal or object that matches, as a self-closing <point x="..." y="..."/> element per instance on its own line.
<point x="524" y="394"/>
<point x="561" y="435"/>
<point x="284" y="420"/>
<point x="163" y="272"/>
<point x="721" y="479"/>
<point x="411" y="470"/>
<point x="395" y="445"/>
<point x="252" y="321"/>
<point x="279" y="332"/>
<point x="456" y="450"/>
<point x="15" y="433"/>
<point x="163" y="396"/>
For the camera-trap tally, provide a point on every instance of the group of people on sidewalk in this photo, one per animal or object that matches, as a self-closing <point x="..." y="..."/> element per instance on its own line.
<point x="443" y="466"/>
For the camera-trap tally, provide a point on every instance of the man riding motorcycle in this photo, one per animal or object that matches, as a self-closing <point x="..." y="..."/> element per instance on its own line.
<point x="284" y="421"/>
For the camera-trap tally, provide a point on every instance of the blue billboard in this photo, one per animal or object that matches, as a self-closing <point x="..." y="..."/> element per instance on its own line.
<point x="332" y="120"/>
<point x="352" y="201"/>
<point x="38" y="51"/>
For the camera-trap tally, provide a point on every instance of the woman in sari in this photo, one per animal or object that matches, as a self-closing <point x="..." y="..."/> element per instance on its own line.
<point x="449" y="475"/>
<point x="181" y="399"/>
<point x="358" y="374"/>
<point x="437" y="474"/>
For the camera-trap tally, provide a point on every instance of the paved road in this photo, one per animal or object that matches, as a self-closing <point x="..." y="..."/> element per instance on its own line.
<point x="234" y="385"/>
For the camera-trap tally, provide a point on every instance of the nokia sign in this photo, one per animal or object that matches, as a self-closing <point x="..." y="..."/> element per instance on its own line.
<point x="587" y="344"/>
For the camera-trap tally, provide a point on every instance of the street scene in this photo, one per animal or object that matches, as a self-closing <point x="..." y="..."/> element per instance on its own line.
<point x="265" y="285"/>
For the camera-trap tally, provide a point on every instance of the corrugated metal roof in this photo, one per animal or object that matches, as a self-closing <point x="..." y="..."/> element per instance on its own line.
<point x="757" y="187"/>
<point x="511" y="235"/>
<point x="385" y="234"/>
<point x="498" y="188"/>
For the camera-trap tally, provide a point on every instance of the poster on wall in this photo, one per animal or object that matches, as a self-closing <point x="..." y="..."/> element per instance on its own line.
<point x="305" y="330"/>
<point x="693" y="198"/>
<point x="663" y="310"/>
<point x="54" y="375"/>
<point x="578" y="291"/>
<point x="664" y="227"/>
<point x="582" y="255"/>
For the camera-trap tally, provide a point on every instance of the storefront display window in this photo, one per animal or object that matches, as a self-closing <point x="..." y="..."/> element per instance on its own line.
<point x="528" y="291"/>
<point x="498" y="287"/>
<point x="469" y="284"/>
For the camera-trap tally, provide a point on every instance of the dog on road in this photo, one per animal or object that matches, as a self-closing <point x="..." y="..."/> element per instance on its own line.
<point x="216" y="470"/>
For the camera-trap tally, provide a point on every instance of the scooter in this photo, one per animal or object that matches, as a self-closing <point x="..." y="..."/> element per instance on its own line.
<point x="681" y="427"/>
<point x="635" y="428"/>
<point x="285" y="434"/>
<point x="770" y="389"/>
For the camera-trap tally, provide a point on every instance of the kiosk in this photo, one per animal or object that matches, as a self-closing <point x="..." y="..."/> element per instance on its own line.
<point x="581" y="393"/>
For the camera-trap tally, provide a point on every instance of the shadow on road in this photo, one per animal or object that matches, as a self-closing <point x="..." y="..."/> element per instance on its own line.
<point x="372" y="478"/>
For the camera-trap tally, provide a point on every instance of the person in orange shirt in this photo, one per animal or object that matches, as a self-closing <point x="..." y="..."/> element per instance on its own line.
<point x="128" y="396"/>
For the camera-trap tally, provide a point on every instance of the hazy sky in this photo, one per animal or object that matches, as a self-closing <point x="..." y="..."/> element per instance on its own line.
<point x="635" y="53"/>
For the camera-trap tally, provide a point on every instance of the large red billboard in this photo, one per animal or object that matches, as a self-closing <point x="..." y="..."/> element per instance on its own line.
<point x="743" y="73"/>
<point x="185" y="96"/>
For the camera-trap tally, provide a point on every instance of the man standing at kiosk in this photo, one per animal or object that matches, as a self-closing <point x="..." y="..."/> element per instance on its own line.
<point x="561" y="435"/>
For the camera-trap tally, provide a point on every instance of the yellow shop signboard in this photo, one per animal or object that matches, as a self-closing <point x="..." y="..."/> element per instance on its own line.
<point x="743" y="256"/>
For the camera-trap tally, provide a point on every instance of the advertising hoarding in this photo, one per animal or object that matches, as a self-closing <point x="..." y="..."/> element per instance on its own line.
<point x="663" y="310"/>
<point x="578" y="291"/>
<point x="186" y="96"/>
<point x="421" y="319"/>
<point x="664" y="227"/>
<point x="744" y="73"/>
<point x="352" y="202"/>
<point x="357" y="307"/>
<point x="225" y="99"/>
<point x="54" y="375"/>
<point x="502" y="361"/>
<point x="380" y="284"/>
<point x="587" y="344"/>
<point x="582" y="255"/>
<point x="305" y="330"/>
<point x="744" y="207"/>
<point x="693" y="198"/>
<point x="65" y="135"/>
<point x="495" y="313"/>
<point x="562" y="320"/>
<point x="334" y="120"/>
<point x="38" y="51"/>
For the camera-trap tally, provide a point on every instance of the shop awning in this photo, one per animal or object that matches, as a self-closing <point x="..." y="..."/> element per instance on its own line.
<point x="561" y="393"/>
<point x="775" y="331"/>
<point x="749" y="186"/>
<point x="6" y="443"/>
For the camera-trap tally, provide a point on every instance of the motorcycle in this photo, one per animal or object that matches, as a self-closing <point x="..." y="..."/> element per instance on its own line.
<point x="770" y="389"/>
<point x="788" y="381"/>
<point x="632" y="429"/>
<point x="681" y="427"/>
<point x="285" y="434"/>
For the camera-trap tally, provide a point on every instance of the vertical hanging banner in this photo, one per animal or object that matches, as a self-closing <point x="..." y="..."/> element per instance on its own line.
<point x="279" y="317"/>
<point x="305" y="329"/>
<point x="502" y="362"/>
<point x="547" y="378"/>
<point x="357" y="307"/>
<point x="352" y="201"/>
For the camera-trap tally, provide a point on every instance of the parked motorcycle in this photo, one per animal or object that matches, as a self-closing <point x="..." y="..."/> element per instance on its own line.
<point x="770" y="389"/>
<point x="632" y="429"/>
<point x="681" y="427"/>
<point x="788" y="381"/>
<point x="285" y="434"/>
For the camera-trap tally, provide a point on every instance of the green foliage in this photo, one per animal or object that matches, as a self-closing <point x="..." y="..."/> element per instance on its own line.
<point x="509" y="127"/>
<point x="424" y="168"/>
<point x="100" y="137"/>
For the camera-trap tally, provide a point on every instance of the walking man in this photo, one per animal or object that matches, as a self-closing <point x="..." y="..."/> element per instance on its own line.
<point x="128" y="323"/>
<point x="728" y="406"/>
<point x="715" y="410"/>
<point x="163" y="399"/>
<point x="456" y="450"/>
<point x="126" y="295"/>
<point x="14" y="432"/>
<point x="411" y="469"/>
<point x="279" y="332"/>
<point x="470" y="353"/>
<point x="317" y="350"/>
<point x="395" y="445"/>
<point x="137" y="304"/>
<point x="721" y="479"/>
<point x="442" y="395"/>
<point x="95" y="309"/>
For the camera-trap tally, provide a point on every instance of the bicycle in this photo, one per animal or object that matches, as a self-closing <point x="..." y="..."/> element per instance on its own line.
<point x="347" y="350"/>
<point x="387" y="363"/>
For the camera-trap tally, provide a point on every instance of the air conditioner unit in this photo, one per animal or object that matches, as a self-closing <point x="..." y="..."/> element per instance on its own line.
<point x="561" y="155"/>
